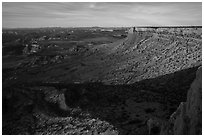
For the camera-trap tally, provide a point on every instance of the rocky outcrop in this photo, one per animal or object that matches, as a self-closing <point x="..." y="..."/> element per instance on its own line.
<point x="134" y="38"/>
<point x="187" y="119"/>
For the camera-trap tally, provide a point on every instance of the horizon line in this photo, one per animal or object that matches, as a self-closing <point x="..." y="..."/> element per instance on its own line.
<point x="147" y="26"/>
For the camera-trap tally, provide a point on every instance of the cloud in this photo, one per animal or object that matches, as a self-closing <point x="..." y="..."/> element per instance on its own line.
<point x="73" y="14"/>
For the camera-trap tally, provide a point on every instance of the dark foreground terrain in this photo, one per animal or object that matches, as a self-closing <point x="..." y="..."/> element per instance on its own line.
<point x="96" y="80"/>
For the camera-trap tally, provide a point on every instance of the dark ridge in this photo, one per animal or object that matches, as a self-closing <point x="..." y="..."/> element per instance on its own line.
<point x="97" y="99"/>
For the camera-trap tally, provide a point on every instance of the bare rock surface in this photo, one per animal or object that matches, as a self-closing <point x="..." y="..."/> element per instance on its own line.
<point x="187" y="119"/>
<point x="129" y="86"/>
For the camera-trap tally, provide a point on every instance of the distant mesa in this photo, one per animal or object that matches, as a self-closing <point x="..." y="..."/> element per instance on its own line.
<point x="139" y="29"/>
<point x="132" y="30"/>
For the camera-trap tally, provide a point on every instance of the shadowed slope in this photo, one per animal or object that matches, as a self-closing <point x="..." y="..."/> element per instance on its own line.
<point x="125" y="107"/>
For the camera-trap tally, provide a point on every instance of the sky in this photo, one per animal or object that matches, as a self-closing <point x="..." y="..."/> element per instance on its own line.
<point x="102" y="14"/>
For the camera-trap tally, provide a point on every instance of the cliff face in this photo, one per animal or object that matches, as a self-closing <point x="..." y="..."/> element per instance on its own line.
<point x="194" y="105"/>
<point x="187" y="120"/>
<point x="146" y="54"/>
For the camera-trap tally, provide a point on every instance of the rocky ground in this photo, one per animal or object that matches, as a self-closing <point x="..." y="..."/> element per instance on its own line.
<point x="104" y="89"/>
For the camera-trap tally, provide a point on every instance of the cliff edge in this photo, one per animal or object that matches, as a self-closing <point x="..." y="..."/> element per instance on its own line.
<point x="187" y="119"/>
